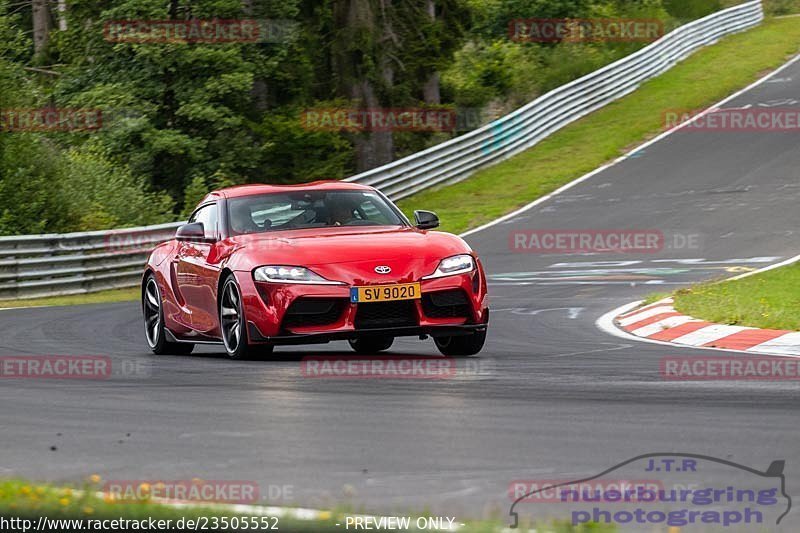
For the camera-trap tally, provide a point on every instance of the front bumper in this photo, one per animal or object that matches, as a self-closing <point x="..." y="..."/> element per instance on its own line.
<point x="266" y="306"/>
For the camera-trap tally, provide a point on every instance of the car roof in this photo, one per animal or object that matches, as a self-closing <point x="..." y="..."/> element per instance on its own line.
<point x="263" y="188"/>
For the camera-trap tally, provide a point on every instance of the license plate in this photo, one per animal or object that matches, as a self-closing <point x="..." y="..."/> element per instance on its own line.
<point x="386" y="293"/>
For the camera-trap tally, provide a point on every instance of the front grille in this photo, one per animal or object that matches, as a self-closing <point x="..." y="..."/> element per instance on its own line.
<point x="386" y="314"/>
<point x="446" y="304"/>
<point x="314" y="312"/>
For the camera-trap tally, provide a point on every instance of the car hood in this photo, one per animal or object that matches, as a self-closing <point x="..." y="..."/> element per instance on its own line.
<point x="351" y="254"/>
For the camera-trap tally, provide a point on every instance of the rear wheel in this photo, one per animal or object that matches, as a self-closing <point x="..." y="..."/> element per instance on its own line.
<point x="461" y="345"/>
<point x="371" y="345"/>
<point x="154" y="322"/>
<point x="233" y="324"/>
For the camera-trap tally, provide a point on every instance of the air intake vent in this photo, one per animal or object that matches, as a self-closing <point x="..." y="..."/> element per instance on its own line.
<point x="446" y="304"/>
<point x="386" y="314"/>
<point x="314" y="312"/>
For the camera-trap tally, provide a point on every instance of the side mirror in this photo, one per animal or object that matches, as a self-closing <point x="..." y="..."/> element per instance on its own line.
<point x="426" y="219"/>
<point x="191" y="232"/>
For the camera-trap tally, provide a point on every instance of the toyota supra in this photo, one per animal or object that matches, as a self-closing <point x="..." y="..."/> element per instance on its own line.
<point x="257" y="266"/>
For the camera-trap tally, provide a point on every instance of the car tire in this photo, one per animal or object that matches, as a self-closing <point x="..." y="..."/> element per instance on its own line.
<point x="233" y="324"/>
<point x="371" y="345"/>
<point x="461" y="345"/>
<point x="152" y="309"/>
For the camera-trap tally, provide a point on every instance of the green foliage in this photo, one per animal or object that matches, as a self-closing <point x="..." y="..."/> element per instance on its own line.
<point x="569" y="61"/>
<point x="182" y="119"/>
<point x="491" y="17"/>
<point x="485" y="71"/>
<point x="292" y="153"/>
<point x="28" y="165"/>
<point x="29" y="186"/>
<point x="689" y="10"/>
<point x="781" y="7"/>
<point x="99" y="194"/>
<point x="491" y="68"/>
<point x="195" y="191"/>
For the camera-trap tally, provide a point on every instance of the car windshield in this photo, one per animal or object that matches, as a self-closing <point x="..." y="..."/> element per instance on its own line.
<point x="309" y="209"/>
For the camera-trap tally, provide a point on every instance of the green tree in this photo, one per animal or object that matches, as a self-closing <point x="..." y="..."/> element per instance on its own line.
<point x="196" y="101"/>
<point x="690" y="10"/>
<point x="28" y="165"/>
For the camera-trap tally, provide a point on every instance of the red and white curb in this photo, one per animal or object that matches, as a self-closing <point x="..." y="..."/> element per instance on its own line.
<point x="660" y="322"/>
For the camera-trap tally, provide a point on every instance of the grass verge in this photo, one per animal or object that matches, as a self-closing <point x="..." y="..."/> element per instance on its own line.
<point x="769" y="300"/>
<point x="110" y="296"/>
<point x="23" y="500"/>
<point x="703" y="79"/>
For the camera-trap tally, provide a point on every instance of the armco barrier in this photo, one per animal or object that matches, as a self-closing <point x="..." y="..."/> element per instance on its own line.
<point x="74" y="263"/>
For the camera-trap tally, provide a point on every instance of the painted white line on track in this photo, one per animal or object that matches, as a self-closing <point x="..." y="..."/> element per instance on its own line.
<point x="633" y="151"/>
<point x="789" y="261"/>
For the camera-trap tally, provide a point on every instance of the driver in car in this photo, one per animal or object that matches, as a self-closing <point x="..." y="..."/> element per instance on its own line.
<point x="341" y="214"/>
<point x="242" y="220"/>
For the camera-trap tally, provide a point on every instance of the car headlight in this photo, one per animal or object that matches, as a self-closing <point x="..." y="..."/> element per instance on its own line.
<point x="291" y="274"/>
<point x="450" y="266"/>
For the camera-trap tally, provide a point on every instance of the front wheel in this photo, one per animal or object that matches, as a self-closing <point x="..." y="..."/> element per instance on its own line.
<point x="461" y="345"/>
<point x="371" y="345"/>
<point x="233" y="324"/>
<point x="154" y="322"/>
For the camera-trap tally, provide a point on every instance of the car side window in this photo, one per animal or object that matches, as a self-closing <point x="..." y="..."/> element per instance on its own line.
<point x="208" y="215"/>
<point x="371" y="212"/>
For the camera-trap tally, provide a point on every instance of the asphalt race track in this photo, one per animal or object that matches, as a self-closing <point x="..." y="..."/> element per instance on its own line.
<point x="550" y="397"/>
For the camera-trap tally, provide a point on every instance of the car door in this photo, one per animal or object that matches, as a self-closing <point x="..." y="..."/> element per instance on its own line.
<point x="196" y="276"/>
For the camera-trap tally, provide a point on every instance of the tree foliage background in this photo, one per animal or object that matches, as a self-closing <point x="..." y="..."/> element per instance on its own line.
<point x="181" y="119"/>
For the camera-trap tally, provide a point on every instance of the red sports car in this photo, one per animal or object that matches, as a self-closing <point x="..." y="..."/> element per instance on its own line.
<point x="262" y="265"/>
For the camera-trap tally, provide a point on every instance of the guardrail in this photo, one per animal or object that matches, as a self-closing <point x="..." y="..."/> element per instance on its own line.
<point x="455" y="160"/>
<point x="73" y="263"/>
